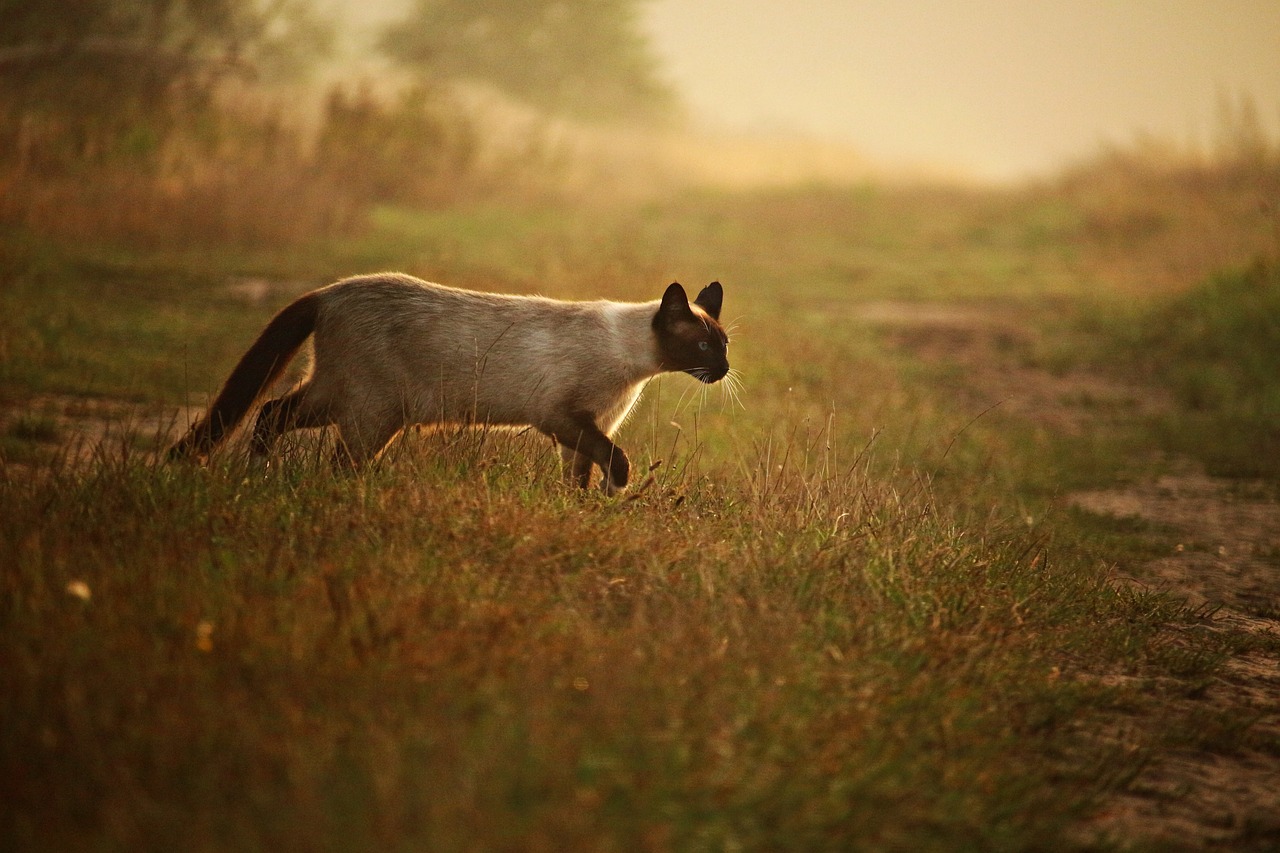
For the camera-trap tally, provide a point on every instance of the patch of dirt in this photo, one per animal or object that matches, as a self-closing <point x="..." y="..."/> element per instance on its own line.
<point x="1200" y="796"/>
<point x="1231" y="554"/>
<point x="266" y="291"/>
<point x="77" y="428"/>
<point x="995" y="360"/>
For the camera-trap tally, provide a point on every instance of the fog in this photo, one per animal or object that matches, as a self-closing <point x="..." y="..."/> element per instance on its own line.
<point x="990" y="89"/>
<point x="770" y="91"/>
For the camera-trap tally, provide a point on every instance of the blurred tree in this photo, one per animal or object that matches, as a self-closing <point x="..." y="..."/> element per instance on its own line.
<point x="587" y="58"/>
<point x="102" y="76"/>
<point x="1242" y="137"/>
<point x="158" y="41"/>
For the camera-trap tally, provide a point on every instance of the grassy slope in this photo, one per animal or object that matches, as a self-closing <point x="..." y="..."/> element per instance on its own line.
<point x="1217" y="348"/>
<point x="787" y="640"/>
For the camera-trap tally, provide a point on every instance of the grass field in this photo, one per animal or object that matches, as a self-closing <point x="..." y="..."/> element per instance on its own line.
<point x="856" y="612"/>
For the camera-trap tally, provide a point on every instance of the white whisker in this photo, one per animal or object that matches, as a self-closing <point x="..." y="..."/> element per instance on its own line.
<point x="680" y="403"/>
<point x="731" y="387"/>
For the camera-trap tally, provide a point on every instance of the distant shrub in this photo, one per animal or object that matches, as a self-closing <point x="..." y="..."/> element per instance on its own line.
<point x="1156" y="216"/>
<point x="212" y="176"/>
<point x="235" y="171"/>
<point x="420" y="147"/>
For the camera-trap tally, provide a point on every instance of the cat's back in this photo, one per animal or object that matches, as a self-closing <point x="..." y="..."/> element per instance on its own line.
<point x="393" y="294"/>
<point x="397" y="298"/>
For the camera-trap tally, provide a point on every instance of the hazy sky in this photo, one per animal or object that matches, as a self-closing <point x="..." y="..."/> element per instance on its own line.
<point x="1000" y="88"/>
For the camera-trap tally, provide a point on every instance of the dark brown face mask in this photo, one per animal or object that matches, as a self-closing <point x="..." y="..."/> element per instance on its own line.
<point x="690" y="337"/>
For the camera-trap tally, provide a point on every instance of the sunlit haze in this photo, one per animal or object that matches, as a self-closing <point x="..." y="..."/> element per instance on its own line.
<point x="992" y="89"/>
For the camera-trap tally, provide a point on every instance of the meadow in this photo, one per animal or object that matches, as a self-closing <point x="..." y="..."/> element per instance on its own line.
<point x="857" y="611"/>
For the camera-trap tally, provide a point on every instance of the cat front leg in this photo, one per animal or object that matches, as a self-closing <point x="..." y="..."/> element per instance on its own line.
<point x="580" y="434"/>
<point x="617" y="471"/>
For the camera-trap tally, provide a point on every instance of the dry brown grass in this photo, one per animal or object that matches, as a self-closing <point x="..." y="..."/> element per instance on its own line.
<point x="1154" y="221"/>
<point x="449" y="651"/>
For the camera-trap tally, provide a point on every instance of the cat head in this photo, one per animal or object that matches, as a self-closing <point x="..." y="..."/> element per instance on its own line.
<point x="689" y="334"/>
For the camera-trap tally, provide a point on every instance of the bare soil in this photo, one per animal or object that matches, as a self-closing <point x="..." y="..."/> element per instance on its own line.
<point x="75" y="428"/>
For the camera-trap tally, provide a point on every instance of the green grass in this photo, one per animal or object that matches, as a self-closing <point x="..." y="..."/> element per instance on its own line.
<point x="1217" y="348"/>
<point x="846" y="616"/>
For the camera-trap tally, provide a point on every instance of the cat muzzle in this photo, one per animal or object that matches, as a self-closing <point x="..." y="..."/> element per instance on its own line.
<point x="709" y="374"/>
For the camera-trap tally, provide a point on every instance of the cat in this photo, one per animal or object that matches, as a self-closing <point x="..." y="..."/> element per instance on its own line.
<point x="391" y="351"/>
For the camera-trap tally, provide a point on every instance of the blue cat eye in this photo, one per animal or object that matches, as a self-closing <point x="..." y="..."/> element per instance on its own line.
<point x="703" y="345"/>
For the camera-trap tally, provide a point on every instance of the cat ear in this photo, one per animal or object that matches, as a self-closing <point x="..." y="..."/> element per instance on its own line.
<point x="675" y="301"/>
<point x="710" y="299"/>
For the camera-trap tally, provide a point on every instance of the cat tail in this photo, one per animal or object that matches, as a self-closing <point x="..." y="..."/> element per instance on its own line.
<point x="265" y="360"/>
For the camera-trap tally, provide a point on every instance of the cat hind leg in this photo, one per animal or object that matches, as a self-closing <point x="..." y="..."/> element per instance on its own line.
<point x="296" y="410"/>
<point x="577" y="467"/>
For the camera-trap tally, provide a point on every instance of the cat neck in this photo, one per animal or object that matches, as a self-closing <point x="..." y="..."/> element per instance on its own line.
<point x="633" y="348"/>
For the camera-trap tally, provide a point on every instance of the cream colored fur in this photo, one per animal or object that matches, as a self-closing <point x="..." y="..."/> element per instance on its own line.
<point x="391" y="350"/>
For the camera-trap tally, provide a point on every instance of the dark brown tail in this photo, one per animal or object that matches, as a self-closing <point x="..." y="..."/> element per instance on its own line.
<point x="258" y="368"/>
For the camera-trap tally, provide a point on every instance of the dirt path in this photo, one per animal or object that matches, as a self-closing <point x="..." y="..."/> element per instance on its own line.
<point x="1222" y="792"/>
<point x="75" y="428"/>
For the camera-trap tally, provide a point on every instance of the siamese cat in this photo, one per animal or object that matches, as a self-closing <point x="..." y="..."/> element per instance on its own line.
<point x="391" y="351"/>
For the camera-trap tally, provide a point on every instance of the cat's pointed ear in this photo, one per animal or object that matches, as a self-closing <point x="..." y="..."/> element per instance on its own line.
<point x="710" y="299"/>
<point x="675" y="302"/>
